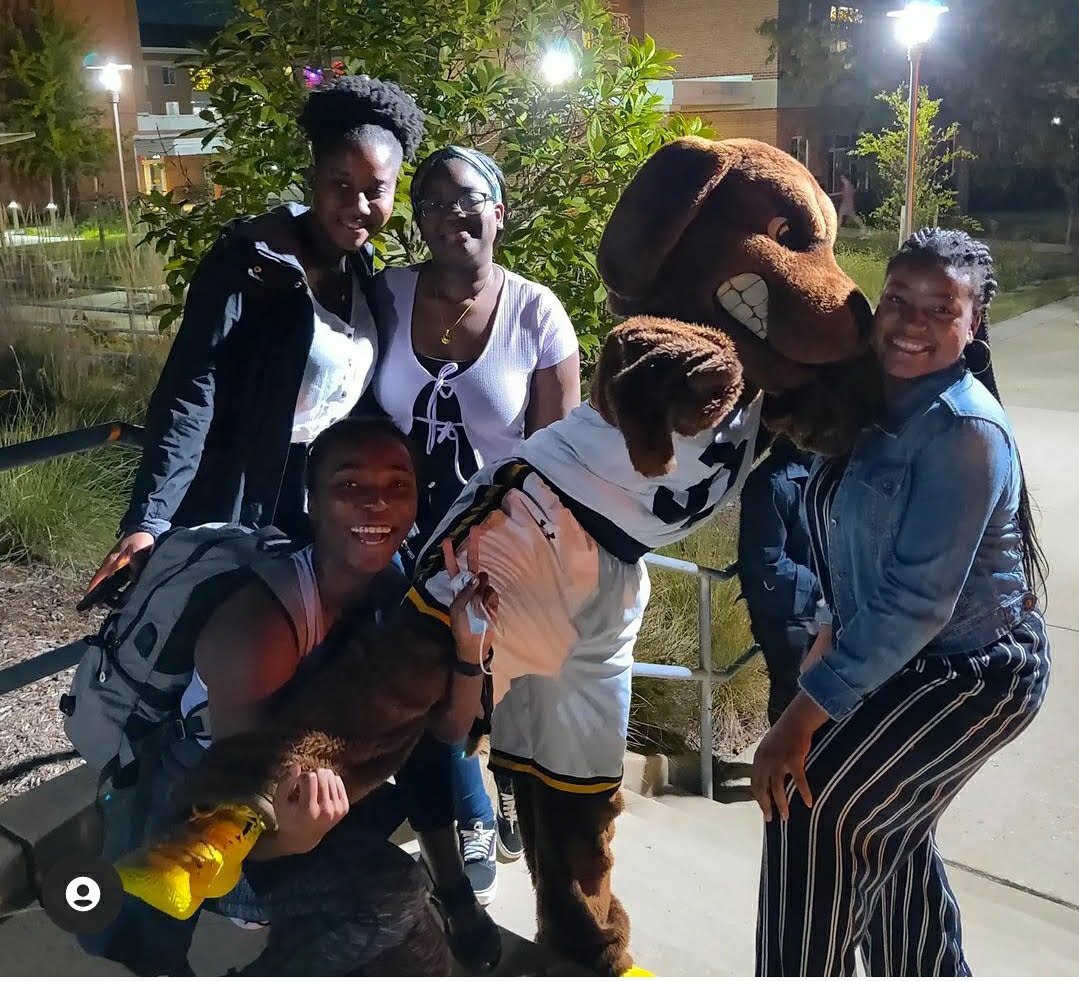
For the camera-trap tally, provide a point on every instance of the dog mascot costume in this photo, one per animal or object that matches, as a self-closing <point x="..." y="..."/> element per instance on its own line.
<point x="720" y="254"/>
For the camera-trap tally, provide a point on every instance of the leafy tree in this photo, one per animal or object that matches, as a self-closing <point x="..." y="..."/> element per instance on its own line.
<point x="43" y="90"/>
<point x="474" y="67"/>
<point x="1008" y="67"/>
<point x="936" y="153"/>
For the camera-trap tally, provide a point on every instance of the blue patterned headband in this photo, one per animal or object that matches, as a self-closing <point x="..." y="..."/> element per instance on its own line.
<point x="479" y="162"/>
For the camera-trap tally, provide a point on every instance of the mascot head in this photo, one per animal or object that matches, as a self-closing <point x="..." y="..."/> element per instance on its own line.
<point x="721" y="255"/>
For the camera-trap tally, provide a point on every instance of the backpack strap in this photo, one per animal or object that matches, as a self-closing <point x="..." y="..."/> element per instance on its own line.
<point x="290" y="580"/>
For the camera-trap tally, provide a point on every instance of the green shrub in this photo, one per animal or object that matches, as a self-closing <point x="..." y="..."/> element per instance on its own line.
<point x="665" y="714"/>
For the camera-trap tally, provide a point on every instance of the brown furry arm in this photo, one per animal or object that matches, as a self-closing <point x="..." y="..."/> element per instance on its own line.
<point x="656" y="377"/>
<point x="360" y="716"/>
<point x="826" y="415"/>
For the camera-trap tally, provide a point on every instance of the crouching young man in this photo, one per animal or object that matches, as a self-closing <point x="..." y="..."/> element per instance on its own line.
<point x="337" y="896"/>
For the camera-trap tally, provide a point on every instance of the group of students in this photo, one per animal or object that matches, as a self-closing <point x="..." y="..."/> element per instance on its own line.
<point x="349" y="409"/>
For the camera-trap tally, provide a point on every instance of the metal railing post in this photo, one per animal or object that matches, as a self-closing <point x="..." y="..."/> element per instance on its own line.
<point x="704" y="625"/>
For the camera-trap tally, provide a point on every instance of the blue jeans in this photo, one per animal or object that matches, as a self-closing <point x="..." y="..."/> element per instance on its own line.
<point x="470" y="796"/>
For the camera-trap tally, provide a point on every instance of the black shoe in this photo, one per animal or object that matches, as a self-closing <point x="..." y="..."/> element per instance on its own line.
<point x="473" y="936"/>
<point x="510" y="845"/>
<point x="478" y="851"/>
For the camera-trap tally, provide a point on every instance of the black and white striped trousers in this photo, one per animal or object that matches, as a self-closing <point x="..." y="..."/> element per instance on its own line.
<point x="860" y="869"/>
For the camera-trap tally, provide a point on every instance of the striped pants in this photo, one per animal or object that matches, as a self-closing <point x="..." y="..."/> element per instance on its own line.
<point x="860" y="869"/>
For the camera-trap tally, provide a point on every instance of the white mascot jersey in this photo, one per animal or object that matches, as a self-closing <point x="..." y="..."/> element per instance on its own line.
<point x="560" y="530"/>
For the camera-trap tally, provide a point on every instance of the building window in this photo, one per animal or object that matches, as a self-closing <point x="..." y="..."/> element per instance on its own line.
<point x="845" y="16"/>
<point x="800" y="150"/>
<point x="155" y="176"/>
<point x="842" y="20"/>
<point x="172" y="108"/>
<point x="168" y="75"/>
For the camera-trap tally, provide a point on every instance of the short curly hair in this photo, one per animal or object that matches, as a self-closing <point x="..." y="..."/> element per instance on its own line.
<point x="354" y="107"/>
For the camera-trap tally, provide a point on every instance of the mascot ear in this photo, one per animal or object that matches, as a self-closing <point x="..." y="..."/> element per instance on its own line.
<point x="658" y="377"/>
<point x="654" y="211"/>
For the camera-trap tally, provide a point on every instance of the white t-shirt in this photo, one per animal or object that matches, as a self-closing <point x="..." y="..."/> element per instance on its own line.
<point x="339" y="367"/>
<point x="467" y="416"/>
<point x="586" y="458"/>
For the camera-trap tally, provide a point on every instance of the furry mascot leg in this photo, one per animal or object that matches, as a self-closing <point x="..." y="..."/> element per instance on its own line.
<point x="567" y="838"/>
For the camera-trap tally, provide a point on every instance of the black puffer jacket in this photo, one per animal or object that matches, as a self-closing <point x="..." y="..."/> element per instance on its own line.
<point x="219" y="424"/>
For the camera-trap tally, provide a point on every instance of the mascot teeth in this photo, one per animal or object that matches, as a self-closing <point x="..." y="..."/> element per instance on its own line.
<point x="745" y="298"/>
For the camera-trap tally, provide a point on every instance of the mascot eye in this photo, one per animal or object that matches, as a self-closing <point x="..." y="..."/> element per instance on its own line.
<point x="780" y="230"/>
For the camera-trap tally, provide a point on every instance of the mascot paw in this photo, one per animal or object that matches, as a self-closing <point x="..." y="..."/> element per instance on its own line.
<point x="202" y="859"/>
<point x="656" y="377"/>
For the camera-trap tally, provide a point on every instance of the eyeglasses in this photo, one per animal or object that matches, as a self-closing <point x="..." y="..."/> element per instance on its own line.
<point x="469" y="203"/>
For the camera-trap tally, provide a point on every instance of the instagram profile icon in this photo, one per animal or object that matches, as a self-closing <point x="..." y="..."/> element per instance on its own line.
<point x="82" y="894"/>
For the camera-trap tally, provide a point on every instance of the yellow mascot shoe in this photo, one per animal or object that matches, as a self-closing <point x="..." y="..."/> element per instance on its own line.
<point x="203" y="859"/>
<point x="637" y="972"/>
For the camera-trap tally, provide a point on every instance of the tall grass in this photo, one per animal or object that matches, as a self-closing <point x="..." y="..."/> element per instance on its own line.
<point x="65" y="512"/>
<point x="62" y="512"/>
<point x="665" y="714"/>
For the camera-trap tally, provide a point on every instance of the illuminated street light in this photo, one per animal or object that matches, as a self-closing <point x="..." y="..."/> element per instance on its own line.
<point x="111" y="79"/>
<point x="915" y="25"/>
<point x="559" y="64"/>
<point x="917" y="21"/>
<point x="1057" y="121"/>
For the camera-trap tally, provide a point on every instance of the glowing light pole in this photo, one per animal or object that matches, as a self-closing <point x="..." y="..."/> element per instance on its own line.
<point x="111" y="79"/>
<point x="915" y="24"/>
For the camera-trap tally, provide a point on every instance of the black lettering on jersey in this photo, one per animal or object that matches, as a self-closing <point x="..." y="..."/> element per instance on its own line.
<point x="725" y="459"/>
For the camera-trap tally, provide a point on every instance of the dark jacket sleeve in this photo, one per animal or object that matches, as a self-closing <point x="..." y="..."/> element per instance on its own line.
<point x="182" y="405"/>
<point x="774" y="585"/>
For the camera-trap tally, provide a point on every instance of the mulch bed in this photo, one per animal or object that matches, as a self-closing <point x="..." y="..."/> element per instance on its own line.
<point x="37" y="613"/>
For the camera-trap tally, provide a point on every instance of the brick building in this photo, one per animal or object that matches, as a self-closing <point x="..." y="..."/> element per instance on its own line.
<point x="170" y="151"/>
<point x="724" y="74"/>
<point x="112" y="29"/>
<point x="158" y="109"/>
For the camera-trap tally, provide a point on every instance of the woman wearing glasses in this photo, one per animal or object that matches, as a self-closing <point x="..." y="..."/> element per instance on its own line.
<point x="474" y="359"/>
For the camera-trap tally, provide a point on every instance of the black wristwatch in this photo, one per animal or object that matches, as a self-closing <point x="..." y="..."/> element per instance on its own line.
<point x="467" y="668"/>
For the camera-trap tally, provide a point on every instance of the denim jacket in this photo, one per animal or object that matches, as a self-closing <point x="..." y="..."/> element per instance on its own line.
<point x="924" y="549"/>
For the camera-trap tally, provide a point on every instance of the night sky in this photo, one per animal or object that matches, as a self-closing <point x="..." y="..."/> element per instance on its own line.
<point x="188" y="12"/>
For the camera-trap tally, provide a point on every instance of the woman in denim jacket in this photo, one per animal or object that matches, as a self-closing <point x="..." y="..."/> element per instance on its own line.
<point x="935" y="655"/>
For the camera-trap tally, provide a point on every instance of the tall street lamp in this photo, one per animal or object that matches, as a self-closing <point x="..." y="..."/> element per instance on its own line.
<point x="915" y="24"/>
<point x="111" y="79"/>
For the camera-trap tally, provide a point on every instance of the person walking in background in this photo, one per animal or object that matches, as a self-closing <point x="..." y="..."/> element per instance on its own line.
<point x="848" y="210"/>
<point x="774" y="566"/>
<point x="475" y="359"/>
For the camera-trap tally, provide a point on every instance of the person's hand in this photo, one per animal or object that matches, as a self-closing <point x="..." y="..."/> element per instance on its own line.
<point x="131" y="550"/>
<point x="307" y="804"/>
<point x="782" y="753"/>
<point x="479" y="594"/>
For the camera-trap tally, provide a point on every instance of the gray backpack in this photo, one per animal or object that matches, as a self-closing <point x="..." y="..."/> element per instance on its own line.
<point x="124" y="701"/>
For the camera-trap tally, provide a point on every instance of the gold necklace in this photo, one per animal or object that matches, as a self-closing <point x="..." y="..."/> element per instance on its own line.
<point x="471" y="303"/>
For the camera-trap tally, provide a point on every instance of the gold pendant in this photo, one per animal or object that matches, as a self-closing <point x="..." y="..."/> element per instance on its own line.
<point x="446" y="338"/>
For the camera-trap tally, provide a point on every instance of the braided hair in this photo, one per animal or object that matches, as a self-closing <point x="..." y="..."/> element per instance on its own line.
<point x="971" y="261"/>
<point x="356" y="109"/>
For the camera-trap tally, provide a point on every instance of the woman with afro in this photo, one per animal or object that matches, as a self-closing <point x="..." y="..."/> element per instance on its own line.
<point x="277" y="341"/>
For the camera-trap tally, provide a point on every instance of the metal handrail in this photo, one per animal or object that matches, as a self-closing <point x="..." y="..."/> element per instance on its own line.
<point x="124" y="434"/>
<point x="705" y="675"/>
<point x="76" y="441"/>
